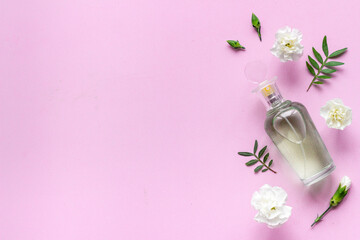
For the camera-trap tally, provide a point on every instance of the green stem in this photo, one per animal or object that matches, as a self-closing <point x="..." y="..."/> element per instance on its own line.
<point x="319" y="71"/>
<point x="259" y="34"/>
<point x="264" y="164"/>
<point x="321" y="216"/>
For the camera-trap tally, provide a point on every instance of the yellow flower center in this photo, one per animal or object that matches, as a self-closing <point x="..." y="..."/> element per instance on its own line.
<point x="289" y="44"/>
<point x="337" y="115"/>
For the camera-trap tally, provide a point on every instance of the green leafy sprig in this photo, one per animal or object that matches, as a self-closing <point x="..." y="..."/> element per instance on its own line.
<point x="256" y="24"/>
<point x="235" y="44"/>
<point x="319" y="79"/>
<point x="263" y="167"/>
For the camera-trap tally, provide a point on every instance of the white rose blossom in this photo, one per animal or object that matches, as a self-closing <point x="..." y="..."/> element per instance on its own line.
<point x="336" y="114"/>
<point x="270" y="203"/>
<point x="287" y="45"/>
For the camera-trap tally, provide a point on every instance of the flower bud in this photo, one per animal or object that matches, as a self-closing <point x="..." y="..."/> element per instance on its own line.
<point x="341" y="191"/>
<point x="345" y="181"/>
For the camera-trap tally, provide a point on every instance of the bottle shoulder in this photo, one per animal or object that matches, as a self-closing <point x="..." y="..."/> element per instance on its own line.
<point x="286" y="110"/>
<point x="297" y="104"/>
<point x="285" y="106"/>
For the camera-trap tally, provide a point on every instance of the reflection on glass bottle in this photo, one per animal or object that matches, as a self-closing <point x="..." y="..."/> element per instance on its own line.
<point x="290" y="127"/>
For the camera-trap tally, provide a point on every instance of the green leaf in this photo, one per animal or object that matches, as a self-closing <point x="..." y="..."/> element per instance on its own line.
<point x="251" y="162"/>
<point x="258" y="168"/>
<point x="266" y="157"/>
<point x="264" y="170"/>
<point x="270" y="163"/>
<point x="333" y="63"/>
<point x="256" y="24"/>
<point x="255" y="21"/>
<point x="255" y="146"/>
<point x="261" y="157"/>
<point x="328" y="70"/>
<point x="317" y="55"/>
<point x="262" y="151"/>
<point x="245" y="154"/>
<point x="235" y="44"/>
<point x="325" y="46"/>
<point x="313" y="62"/>
<point x="323" y="77"/>
<point x="310" y="68"/>
<point x="337" y="53"/>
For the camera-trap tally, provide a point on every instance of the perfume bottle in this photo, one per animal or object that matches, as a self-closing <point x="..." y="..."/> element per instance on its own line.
<point x="291" y="129"/>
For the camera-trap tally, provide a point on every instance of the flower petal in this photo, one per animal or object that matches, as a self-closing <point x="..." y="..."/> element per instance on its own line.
<point x="270" y="203"/>
<point x="336" y="114"/>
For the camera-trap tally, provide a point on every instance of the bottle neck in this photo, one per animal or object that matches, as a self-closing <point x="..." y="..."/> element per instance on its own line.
<point x="275" y="101"/>
<point x="271" y="95"/>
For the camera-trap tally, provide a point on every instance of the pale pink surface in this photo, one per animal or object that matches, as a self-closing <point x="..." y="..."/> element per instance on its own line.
<point x="123" y="119"/>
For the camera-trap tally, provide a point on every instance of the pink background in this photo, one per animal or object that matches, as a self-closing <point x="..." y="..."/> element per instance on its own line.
<point x="123" y="119"/>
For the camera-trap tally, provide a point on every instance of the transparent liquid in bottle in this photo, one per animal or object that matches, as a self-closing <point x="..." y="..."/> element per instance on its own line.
<point x="291" y="129"/>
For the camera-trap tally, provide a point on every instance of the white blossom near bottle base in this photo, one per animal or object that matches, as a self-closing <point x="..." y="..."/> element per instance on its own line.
<point x="287" y="45"/>
<point x="336" y="114"/>
<point x="270" y="203"/>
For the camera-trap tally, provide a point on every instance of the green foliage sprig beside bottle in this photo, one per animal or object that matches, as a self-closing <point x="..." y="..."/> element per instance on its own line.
<point x="322" y="72"/>
<point x="259" y="158"/>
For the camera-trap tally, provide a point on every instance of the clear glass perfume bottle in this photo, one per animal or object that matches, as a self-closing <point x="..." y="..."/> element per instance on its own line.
<point x="291" y="129"/>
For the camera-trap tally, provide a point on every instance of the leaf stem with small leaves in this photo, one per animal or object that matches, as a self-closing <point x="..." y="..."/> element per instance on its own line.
<point x="258" y="159"/>
<point x="318" y="79"/>
<point x="317" y="74"/>
<point x="268" y="167"/>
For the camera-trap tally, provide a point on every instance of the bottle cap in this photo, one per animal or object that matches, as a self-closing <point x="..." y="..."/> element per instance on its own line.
<point x="256" y="72"/>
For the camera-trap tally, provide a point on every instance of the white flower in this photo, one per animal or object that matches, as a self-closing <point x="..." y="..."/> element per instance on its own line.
<point x="345" y="181"/>
<point x="287" y="45"/>
<point x="270" y="203"/>
<point x="336" y="114"/>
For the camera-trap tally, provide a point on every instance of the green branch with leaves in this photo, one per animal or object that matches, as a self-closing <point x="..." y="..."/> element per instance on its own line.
<point x="323" y="73"/>
<point x="258" y="159"/>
